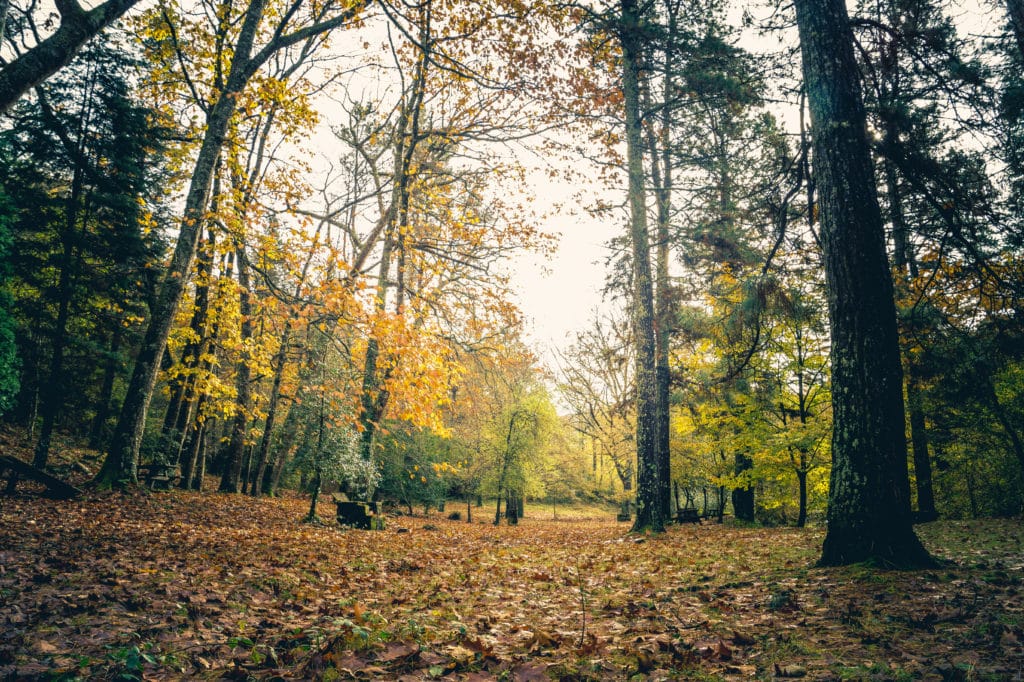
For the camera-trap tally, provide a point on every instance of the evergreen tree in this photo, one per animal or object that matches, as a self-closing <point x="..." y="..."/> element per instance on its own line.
<point x="84" y="157"/>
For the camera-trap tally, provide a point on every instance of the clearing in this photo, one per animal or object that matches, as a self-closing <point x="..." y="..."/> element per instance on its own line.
<point x="182" y="585"/>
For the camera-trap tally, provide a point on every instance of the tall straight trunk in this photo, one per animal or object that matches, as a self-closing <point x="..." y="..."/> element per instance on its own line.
<point x="905" y="263"/>
<point x="231" y="479"/>
<point x="659" y="145"/>
<point x="121" y="464"/>
<point x="97" y="432"/>
<point x="53" y="391"/>
<point x="649" y="514"/>
<point x="263" y="453"/>
<point x="179" y="407"/>
<point x="869" y="517"/>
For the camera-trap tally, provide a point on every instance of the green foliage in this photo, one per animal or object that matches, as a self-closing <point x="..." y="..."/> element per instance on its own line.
<point x="10" y="365"/>
<point x="83" y="191"/>
<point x="331" y="451"/>
<point x="419" y="466"/>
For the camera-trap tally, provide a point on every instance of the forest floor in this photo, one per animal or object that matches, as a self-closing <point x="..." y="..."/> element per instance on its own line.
<point x="174" y="585"/>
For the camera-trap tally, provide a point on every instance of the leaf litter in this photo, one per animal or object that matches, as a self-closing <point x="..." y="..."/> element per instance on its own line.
<point x="181" y="586"/>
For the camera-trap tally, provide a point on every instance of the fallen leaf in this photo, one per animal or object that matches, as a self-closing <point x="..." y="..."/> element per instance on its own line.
<point x="790" y="670"/>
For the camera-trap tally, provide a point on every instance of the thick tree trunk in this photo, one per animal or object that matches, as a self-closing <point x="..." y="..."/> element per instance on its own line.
<point x="649" y="489"/>
<point x="869" y="516"/>
<point x="37" y="64"/>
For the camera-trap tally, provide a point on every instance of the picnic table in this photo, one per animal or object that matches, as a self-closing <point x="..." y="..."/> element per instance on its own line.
<point x="159" y="476"/>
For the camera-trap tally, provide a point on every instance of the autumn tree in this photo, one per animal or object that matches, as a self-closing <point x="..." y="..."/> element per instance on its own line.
<point x="869" y="502"/>
<point x="261" y="35"/>
<point x="504" y="418"/>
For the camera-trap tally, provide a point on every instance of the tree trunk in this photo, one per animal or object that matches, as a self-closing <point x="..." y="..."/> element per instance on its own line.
<point x="743" y="498"/>
<point x="98" y="430"/>
<point x="649" y="489"/>
<point x="660" y="151"/>
<point x="317" y="485"/>
<point x="906" y="264"/>
<point x="869" y="516"/>
<point x="919" y="445"/>
<point x="190" y="447"/>
<point x="801" y="478"/>
<point x="53" y="393"/>
<point x="262" y="455"/>
<point x="76" y="27"/>
<point x="122" y="459"/>
<point x="229" y="482"/>
<point x="179" y="407"/>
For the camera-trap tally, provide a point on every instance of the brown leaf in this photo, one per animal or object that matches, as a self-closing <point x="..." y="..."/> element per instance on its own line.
<point x="790" y="670"/>
<point x="543" y="640"/>
<point x="741" y="639"/>
<point x="531" y="672"/>
<point x="396" y="651"/>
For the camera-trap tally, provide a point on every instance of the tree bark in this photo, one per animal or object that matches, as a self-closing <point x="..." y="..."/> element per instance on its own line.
<point x="649" y="515"/>
<point x="37" y="64"/>
<point x="661" y="175"/>
<point x="869" y="517"/>
<point x="649" y="490"/>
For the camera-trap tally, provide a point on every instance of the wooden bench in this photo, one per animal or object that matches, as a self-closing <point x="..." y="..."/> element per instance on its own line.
<point x="687" y="515"/>
<point x="159" y="476"/>
<point x="55" y="488"/>
<point x="363" y="515"/>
